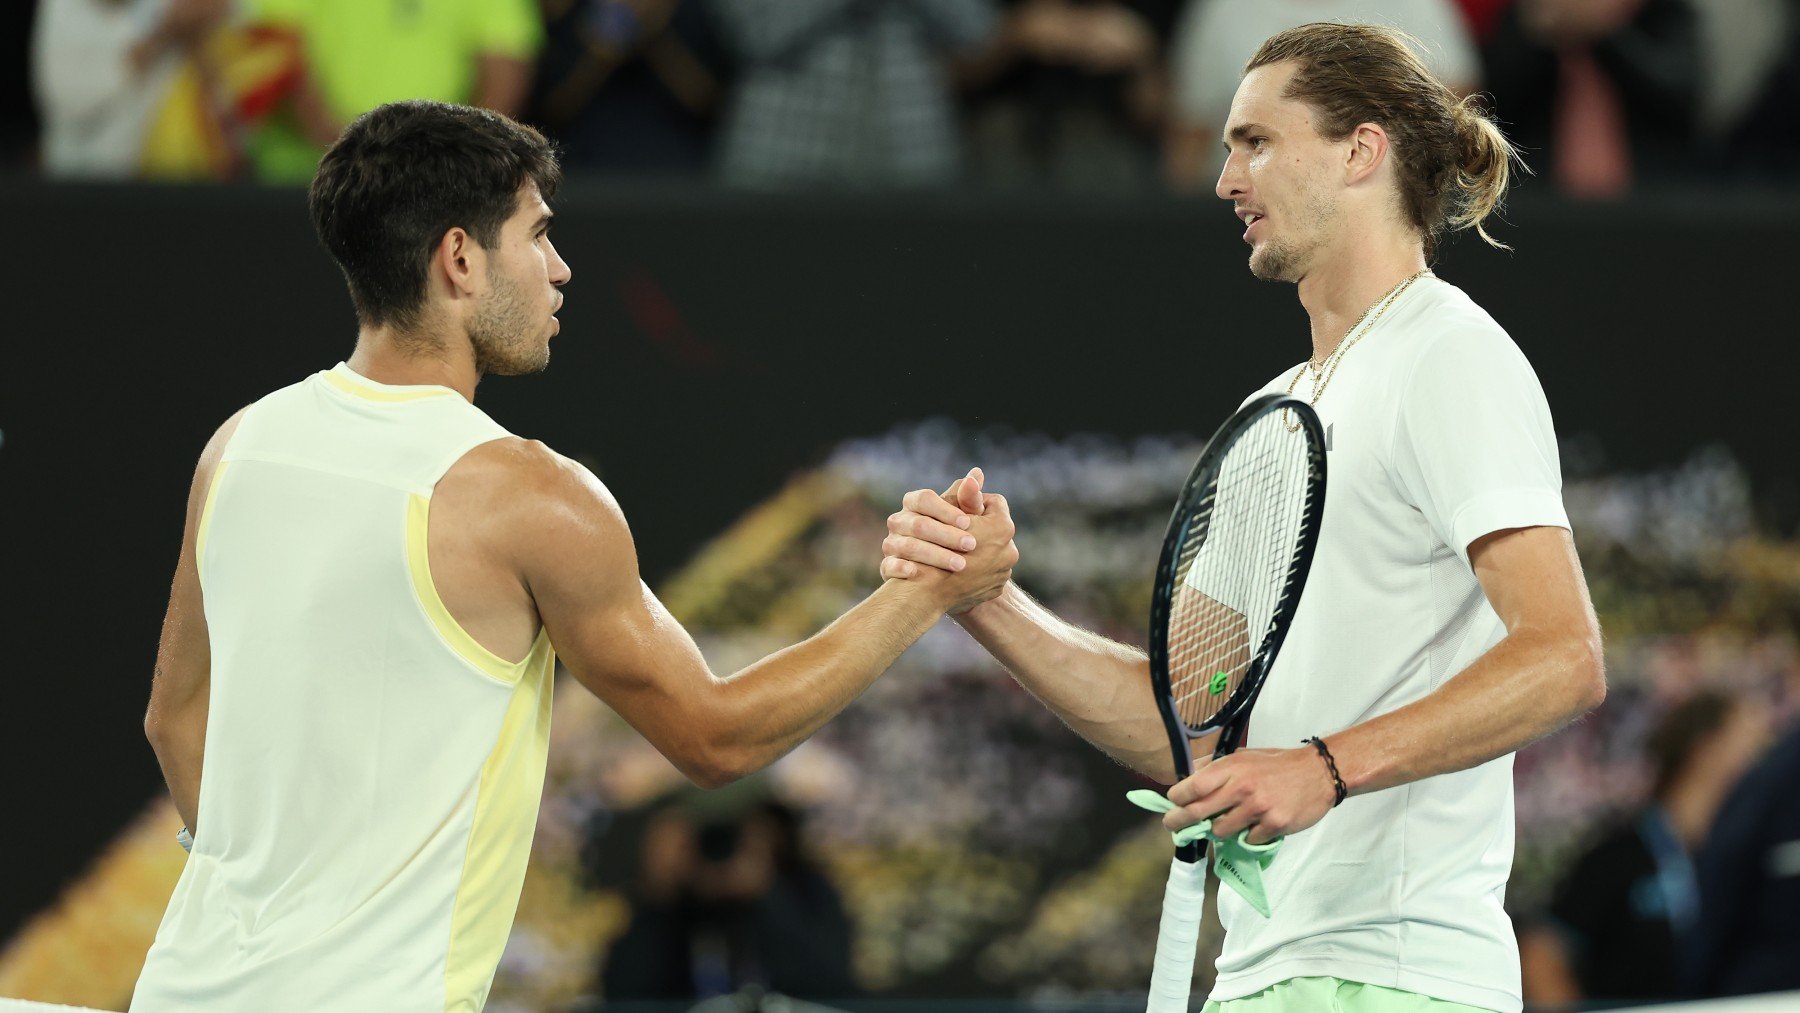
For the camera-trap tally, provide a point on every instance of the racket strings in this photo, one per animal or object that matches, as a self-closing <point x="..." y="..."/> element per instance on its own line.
<point x="1236" y="567"/>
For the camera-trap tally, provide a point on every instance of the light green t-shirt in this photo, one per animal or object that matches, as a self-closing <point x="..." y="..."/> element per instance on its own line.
<point x="362" y="53"/>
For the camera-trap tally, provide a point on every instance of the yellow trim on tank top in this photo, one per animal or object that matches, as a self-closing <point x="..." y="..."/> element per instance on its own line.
<point x="418" y="563"/>
<point x="506" y="804"/>
<point x="386" y="395"/>
<point x="206" y="510"/>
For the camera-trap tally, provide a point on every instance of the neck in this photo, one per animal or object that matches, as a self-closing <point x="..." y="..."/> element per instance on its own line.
<point x="389" y="356"/>
<point x="1352" y="279"/>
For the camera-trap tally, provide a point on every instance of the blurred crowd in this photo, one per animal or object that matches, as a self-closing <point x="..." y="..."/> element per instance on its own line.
<point x="1085" y="95"/>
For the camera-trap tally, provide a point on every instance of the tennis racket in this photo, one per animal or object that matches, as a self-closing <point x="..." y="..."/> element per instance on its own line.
<point x="1228" y="582"/>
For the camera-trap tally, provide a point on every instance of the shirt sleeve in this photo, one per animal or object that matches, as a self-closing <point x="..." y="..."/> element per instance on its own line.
<point x="511" y="28"/>
<point x="1474" y="448"/>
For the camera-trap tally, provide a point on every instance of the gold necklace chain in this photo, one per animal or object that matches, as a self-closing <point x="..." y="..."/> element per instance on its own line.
<point x="1324" y="371"/>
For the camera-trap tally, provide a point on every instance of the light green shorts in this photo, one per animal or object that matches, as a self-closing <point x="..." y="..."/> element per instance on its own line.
<point x="1335" y="995"/>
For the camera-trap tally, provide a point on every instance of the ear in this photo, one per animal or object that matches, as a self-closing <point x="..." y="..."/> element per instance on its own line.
<point x="1368" y="149"/>
<point x="461" y="261"/>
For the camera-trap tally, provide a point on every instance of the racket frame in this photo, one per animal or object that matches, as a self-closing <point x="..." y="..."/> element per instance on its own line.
<point x="1233" y="719"/>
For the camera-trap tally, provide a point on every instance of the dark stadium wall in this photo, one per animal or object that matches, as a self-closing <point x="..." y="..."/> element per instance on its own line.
<point x="714" y="343"/>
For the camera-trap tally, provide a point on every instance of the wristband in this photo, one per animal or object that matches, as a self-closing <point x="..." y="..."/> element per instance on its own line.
<point x="1337" y="783"/>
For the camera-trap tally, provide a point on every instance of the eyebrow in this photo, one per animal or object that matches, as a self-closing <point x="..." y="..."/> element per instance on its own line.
<point x="1242" y="132"/>
<point x="543" y="222"/>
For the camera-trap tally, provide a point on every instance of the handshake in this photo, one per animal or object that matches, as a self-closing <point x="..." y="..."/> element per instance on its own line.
<point x="959" y="545"/>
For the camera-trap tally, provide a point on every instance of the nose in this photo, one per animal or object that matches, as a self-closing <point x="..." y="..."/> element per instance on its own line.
<point x="1234" y="181"/>
<point x="559" y="269"/>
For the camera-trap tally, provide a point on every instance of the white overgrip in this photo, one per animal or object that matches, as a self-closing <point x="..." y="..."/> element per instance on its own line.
<point x="1179" y="937"/>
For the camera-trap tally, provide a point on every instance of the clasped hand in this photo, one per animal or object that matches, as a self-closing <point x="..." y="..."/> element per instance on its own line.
<point x="963" y="540"/>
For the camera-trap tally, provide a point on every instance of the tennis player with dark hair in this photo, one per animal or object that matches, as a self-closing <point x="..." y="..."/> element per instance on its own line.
<point x="358" y="649"/>
<point x="1446" y="622"/>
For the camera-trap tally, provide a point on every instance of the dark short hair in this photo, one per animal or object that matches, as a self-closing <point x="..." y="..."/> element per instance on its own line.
<point x="405" y="173"/>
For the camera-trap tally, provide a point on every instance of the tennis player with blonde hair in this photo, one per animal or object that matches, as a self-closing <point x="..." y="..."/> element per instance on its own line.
<point x="352" y="696"/>
<point x="1446" y="622"/>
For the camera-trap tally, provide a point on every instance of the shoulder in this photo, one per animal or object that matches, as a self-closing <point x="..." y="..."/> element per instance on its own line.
<point x="534" y="498"/>
<point x="221" y="438"/>
<point x="1444" y="334"/>
<point x="528" y="472"/>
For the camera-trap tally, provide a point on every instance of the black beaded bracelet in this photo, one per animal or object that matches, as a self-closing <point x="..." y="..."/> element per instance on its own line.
<point x="1337" y="783"/>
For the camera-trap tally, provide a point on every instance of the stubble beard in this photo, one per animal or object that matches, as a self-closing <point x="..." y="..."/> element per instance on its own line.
<point x="503" y="333"/>
<point x="1276" y="260"/>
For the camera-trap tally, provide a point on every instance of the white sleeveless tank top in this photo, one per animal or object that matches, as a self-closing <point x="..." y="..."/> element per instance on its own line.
<point x="372" y="774"/>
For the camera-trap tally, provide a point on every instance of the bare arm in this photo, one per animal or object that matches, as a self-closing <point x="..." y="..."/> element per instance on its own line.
<point x="580" y="566"/>
<point x="1549" y="981"/>
<point x="175" y="722"/>
<point x="1546" y="672"/>
<point x="1188" y="155"/>
<point x="1098" y="687"/>
<point x="501" y="83"/>
<point x="1543" y="674"/>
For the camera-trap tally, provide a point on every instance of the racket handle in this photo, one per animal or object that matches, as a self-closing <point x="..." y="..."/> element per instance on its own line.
<point x="1179" y="938"/>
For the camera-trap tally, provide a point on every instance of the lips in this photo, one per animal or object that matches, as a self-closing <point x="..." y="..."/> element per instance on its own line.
<point x="1250" y="220"/>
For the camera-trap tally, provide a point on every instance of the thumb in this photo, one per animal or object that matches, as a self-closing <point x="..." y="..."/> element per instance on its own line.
<point x="968" y="496"/>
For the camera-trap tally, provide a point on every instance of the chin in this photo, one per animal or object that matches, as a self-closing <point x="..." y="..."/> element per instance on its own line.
<point x="1268" y="264"/>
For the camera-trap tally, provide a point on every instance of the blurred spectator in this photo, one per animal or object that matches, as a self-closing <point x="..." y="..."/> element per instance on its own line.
<point x="1762" y="137"/>
<point x="1619" y="918"/>
<point x="1609" y="87"/>
<point x="1482" y="16"/>
<point x="726" y="900"/>
<point x="1215" y="38"/>
<point x="130" y="88"/>
<point x="1071" y="93"/>
<point x="1741" y="44"/>
<point x="358" y="54"/>
<point x="629" y="86"/>
<point x="845" y="92"/>
<point x="1748" y="938"/>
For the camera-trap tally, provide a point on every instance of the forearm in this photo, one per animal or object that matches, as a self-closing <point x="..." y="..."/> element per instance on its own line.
<point x="770" y="707"/>
<point x="1526" y="687"/>
<point x="179" y="741"/>
<point x="502" y="83"/>
<point x="1098" y="687"/>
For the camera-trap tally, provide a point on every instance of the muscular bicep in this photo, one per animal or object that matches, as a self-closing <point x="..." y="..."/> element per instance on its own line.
<point x="610" y="630"/>
<point x="184" y="652"/>
<point x="1532" y="577"/>
<point x="175" y="720"/>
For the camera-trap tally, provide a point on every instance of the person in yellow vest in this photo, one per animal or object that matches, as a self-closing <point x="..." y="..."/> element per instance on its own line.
<point x="351" y="703"/>
<point x="358" y="54"/>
